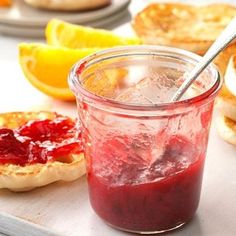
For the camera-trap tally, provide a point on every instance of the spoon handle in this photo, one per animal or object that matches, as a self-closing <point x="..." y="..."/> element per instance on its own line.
<point x="228" y="34"/>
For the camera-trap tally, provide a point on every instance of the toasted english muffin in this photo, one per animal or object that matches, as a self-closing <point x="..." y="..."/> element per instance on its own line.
<point x="68" y="5"/>
<point x="190" y="27"/>
<point x="226" y="103"/>
<point x="230" y="75"/>
<point x="26" y="177"/>
<point x="226" y="129"/>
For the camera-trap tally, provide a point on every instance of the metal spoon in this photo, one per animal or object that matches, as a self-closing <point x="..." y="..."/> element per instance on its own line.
<point x="228" y="34"/>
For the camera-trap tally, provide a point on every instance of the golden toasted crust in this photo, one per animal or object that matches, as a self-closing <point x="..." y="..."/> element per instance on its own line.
<point x="226" y="103"/>
<point x="230" y="75"/>
<point x="68" y="4"/>
<point x="227" y="96"/>
<point x="189" y="27"/>
<point x="24" y="178"/>
<point x="226" y="129"/>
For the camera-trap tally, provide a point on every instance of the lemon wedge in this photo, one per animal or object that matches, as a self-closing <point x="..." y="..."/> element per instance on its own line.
<point x="47" y="67"/>
<point x="61" y="33"/>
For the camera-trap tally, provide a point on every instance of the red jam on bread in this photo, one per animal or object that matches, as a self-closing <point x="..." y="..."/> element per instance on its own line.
<point x="40" y="141"/>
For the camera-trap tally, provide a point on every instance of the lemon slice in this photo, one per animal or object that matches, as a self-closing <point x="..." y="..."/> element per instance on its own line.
<point x="61" y="33"/>
<point x="47" y="67"/>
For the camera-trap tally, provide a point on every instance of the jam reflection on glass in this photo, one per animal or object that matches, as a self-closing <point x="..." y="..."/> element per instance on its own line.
<point x="130" y="191"/>
<point x="39" y="141"/>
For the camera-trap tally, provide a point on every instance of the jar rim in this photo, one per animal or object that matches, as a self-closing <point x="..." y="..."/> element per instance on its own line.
<point x="77" y="69"/>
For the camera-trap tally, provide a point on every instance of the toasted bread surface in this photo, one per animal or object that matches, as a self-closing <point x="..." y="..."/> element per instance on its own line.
<point x="24" y="178"/>
<point x="230" y="75"/>
<point x="226" y="103"/>
<point x="226" y="129"/>
<point x="189" y="27"/>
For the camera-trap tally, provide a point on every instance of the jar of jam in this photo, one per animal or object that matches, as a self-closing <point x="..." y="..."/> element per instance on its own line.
<point x="145" y="155"/>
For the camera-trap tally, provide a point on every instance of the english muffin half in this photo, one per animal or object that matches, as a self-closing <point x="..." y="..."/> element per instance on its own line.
<point x="226" y="129"/>
<point x="190" y="27"/>
<point x="230" y="75"/>
<point x="38" y="148"/>
<point x="226" y="103"/>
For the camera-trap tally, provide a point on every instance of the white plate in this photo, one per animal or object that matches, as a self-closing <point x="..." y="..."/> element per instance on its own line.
<point x="30" y="31"/>
<point x="21" y="14"/>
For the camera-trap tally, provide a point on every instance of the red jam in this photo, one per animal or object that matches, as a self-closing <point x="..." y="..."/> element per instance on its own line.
<point x="135" y="195"/>
<point x="39" y="141"/>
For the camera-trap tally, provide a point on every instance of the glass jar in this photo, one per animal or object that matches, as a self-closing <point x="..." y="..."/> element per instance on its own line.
<point x="144" y="161"/>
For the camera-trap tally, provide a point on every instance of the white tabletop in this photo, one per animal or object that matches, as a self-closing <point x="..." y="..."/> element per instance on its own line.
<point x="216" y="214"/>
